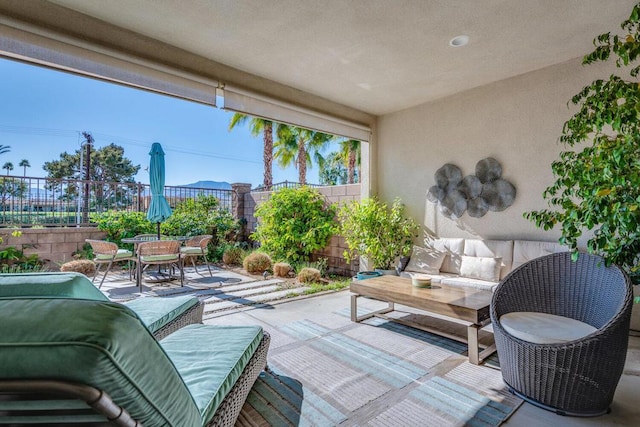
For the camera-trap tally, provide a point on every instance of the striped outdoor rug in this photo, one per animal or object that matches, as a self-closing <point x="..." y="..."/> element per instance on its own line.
<point x="376" y="373"/>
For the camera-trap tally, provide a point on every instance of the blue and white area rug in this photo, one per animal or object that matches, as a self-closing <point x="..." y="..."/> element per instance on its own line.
<point x="331" y="372"/>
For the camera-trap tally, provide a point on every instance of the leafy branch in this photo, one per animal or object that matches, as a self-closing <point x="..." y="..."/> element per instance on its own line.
<point x="598" y="188"/>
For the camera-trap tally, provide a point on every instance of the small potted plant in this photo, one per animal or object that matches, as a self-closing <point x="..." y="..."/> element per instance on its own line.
<point x="377" y="232"/>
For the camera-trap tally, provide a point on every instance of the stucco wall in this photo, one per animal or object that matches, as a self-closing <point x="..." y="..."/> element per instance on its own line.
<point x="517" y="121"/>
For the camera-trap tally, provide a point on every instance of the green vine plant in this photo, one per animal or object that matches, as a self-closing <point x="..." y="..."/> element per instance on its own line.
<point x="598" y="188"/>
<point x="376" y="231"/>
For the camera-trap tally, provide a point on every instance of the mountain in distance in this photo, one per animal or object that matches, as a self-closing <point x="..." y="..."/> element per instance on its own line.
<point x="216" y="185"/>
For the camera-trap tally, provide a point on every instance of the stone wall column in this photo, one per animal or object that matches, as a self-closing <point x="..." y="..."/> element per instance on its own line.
<point x="240" y="190"/>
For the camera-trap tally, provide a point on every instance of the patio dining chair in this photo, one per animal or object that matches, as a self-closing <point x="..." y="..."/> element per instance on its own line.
<point x="197" y="246"/>
<point x="159" y="252"/>
<point x="108" y="253"/>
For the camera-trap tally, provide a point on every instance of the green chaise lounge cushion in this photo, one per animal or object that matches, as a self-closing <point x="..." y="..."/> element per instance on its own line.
<point x="154" y="312"/>
<point x="211" y="359"/>
<point x="101" y="344"/>
<point x="60" y="285"/>
<point x="105" y="345"/>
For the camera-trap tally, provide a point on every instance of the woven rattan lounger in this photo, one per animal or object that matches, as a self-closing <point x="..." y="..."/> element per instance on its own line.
<point x="93" y="361"/>
<point x="162" y="316"/>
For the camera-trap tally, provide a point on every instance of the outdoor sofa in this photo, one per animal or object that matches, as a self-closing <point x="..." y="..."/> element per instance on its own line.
<point x="89" y="360"/>
<point x="473" y="263"/>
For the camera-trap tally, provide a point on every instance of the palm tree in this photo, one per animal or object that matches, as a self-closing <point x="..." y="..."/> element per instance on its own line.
<point x="24" y="163"/>
<point x="350" y="152"/>
<point x="296" y="145"/>
<point x="5" y="149"/>
<point x="258" y="126"/>
<point x="8" y="166"/>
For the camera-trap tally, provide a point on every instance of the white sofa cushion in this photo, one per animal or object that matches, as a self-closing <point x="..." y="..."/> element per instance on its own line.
<point x="454" y="248"/>
<point x="526" y="250"/>
<point x="544" y="328"/>
<point x="479" y="267"/>
<point x="435" y="278"/>
<point x="425" y="260"/>
<point x="492" y="248"/>
<point x="467" y="282"/>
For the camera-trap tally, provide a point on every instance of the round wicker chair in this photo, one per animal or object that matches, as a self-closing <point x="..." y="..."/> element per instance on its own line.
<point x="577" y="377"/>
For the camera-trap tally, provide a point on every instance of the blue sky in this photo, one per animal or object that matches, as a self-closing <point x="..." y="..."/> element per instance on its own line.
<point x="42" y="113"/>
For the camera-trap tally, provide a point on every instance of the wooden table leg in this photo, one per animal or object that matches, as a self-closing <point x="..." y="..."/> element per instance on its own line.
<point x="354" y="310"/>
<point x="472" y="340"/>
<point x="354" y="307"/>
<point x="475" y="355"/>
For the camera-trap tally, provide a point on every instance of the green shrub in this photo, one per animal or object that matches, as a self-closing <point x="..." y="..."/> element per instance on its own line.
<point x="85" y="253"/>
<point x="190" y="217"/>
<point x="22" y="268"/>
<point x="13" y="260"/>
<point x="84" y="266"/>
<point x="257" y="263"/>
<point x="233" y="255"/>
<point x="294" y="223"/>
<point x="202" y="215"/>
<point x="373" y="230"/>
<point x="122" y="224"/>
<point x="321" y="264"/>
<point x="309" y="275"/>
<point x="281" y="269"/>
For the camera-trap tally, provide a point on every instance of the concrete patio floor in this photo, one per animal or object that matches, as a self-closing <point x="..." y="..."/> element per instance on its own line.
<point x="625" y="410"/>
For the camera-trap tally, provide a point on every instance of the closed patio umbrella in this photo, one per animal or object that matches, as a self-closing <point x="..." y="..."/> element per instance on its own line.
<point x="159" y="209"/>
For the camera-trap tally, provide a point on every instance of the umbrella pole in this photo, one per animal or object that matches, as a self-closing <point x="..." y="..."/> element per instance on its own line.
<point x="158" y="224"/>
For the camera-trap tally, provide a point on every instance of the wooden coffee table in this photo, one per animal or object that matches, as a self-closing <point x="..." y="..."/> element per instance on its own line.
<point x="468" y="305"/>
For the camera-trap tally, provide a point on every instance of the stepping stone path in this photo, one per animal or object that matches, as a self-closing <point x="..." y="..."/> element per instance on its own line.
<point x="225" y="292"/>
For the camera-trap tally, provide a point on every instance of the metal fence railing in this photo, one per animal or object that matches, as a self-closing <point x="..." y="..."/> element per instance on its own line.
<point x="28" y="201"/>
<point x="284" y="184"/>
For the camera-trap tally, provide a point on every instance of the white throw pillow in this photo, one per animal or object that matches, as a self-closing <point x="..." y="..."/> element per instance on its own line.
<point x="483" y="268"/>
<point x="425" y="260"/>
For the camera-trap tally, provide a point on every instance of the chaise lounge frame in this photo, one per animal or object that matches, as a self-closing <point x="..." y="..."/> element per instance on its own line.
<point x="190" y="317"/>
<point x="90" y="405"/>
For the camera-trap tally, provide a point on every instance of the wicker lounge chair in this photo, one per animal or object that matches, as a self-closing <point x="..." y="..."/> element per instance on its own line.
<point x="108" y="253"/>
<point x="162" y="316"/>
<point x="578" y="376"/>
<point x="72" y="360"/>
<point x="197" y="246"/>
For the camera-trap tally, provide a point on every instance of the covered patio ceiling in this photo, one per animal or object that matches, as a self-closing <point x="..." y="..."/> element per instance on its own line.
<point x="371" y="56"/>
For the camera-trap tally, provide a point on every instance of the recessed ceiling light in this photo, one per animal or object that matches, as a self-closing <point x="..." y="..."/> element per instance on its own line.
<point x="459" y="41"/>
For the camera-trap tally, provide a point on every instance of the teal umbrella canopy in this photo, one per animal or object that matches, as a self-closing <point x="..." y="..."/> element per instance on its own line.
<point x="159" y="209"/>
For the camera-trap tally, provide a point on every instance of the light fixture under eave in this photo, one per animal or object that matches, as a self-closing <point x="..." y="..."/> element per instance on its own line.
<point x="459" y="41"/>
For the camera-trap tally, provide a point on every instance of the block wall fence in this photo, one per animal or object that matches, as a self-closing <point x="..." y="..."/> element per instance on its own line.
<point x="56" y="245"/>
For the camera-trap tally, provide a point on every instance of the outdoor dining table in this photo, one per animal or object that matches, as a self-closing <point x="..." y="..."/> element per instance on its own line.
<point x="159" y="277"/>
<point x="137" y="240"/>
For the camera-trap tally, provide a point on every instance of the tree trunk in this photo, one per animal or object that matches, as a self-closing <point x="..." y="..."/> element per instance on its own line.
<point x="302" y="163"/>
<point x="268" y="156"/>
<point x="352" y="165"/>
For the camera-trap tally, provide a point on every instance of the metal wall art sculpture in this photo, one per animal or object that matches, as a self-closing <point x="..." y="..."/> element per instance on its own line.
<point x="476" y="194"/>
